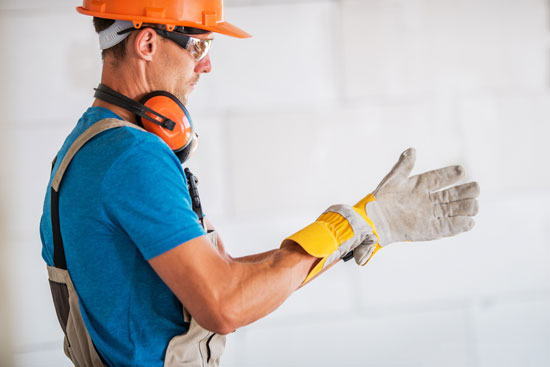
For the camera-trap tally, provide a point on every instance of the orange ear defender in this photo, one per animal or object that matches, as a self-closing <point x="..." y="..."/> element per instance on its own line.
<point x="160" y="113"/>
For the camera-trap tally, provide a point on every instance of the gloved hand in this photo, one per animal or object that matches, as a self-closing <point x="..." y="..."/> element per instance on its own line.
<point x="404" y="208"/>
<point x="338" y="231"/>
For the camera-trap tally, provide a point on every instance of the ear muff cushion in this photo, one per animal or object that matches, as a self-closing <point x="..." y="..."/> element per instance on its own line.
<point x="169" y="106"/>
<point x="184" y="153"/>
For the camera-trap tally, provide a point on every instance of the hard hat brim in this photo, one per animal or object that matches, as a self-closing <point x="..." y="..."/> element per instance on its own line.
<point x="225" y="28"/>
<point x="228" y="29"/>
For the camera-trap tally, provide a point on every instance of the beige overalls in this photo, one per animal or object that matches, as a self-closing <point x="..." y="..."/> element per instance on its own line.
<point x="196" y="348"/>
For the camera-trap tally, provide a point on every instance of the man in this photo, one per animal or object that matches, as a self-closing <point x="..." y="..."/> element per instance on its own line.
<point x="136" y="278"/>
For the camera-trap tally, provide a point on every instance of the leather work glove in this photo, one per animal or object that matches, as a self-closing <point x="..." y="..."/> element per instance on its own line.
<point x="404" y="208"/>
<point x="400" y="209"/>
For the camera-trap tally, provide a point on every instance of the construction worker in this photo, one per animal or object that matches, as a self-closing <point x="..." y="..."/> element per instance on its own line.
<point x="138" y="276"/>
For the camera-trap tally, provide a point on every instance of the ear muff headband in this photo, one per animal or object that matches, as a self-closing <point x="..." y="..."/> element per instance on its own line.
<point x="106" y="94"/>
<point x="161" y="113"/>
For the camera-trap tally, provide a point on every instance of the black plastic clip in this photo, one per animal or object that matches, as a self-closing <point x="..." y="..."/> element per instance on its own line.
<point x="194" y="193"/>
<point x="348" y="256"/>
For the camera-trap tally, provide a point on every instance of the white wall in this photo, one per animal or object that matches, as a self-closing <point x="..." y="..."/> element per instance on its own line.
<point x="312" y="111"/>
<point x="5" y="289"/>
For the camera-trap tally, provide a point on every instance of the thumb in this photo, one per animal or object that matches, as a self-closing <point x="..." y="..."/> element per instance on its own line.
<point x="402" y="169"/>
<point x="363" y="252"/>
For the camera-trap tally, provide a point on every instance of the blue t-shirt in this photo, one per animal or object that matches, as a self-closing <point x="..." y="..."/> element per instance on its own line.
<point x="123" y="200"/>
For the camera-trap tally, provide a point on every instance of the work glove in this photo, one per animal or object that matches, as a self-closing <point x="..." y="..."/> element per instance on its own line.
<point x="400" y="209"/>
<point x="404" y="208"/>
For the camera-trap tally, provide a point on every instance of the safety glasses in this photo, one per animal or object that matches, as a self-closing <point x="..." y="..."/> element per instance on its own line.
<point x="198" y="48"/>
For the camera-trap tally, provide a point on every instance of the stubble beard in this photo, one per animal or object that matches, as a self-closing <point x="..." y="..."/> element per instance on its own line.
<point x="183" y="99"/>
<point x="181" y="95"/>
<point x="185" y="92"/>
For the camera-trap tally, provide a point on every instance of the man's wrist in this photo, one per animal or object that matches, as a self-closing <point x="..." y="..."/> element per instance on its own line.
<point x="294" y="248"/>
<point x="299" y="255"/>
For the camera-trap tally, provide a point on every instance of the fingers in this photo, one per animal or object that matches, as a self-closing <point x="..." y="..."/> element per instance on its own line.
<point x="457" y="193"/>
<point x="402" y="169"/>
<point x="439" y="178"/>
<point x="451" y="226"/>
<point x="469" y="207"/>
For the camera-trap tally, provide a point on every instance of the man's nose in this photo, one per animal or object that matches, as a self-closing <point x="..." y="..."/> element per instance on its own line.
<point x="204" y="66"/>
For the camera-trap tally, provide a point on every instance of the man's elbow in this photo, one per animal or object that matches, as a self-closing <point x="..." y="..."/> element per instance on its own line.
<point x="224" y="329"/>
<point x="221" y="321"/>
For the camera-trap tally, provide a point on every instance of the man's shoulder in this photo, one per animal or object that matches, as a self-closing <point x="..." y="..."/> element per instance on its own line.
<point x="121" y="152"/>
<point x="131" y="144"/>
<point x="117" y="138"/>
<point x="135" y="155"/>
<point x="125" y="142"/>
<point x="133" y="138"/>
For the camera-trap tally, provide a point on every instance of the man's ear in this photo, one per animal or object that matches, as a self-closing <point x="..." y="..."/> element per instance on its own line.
<point x="145" y="44"/>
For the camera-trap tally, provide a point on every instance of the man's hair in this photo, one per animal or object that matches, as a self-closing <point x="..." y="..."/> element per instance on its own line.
<point x="119" y="50"/>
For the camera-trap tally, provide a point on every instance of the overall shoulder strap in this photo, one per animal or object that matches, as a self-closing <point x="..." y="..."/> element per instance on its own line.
<point x="97" y="128"/>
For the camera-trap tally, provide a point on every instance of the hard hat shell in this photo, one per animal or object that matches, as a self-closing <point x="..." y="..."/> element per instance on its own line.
<point x="203" y="14"/>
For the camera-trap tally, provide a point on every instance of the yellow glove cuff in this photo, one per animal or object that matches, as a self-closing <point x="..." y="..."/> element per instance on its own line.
<point x="322" y="238"/>
<point x="316" y="270"/>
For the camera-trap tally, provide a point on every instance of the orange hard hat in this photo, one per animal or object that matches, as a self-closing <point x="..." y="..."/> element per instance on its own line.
<point x="203" y="14"/>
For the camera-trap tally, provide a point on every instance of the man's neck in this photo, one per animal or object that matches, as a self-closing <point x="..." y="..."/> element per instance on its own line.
<point x="129" y="82"/>
<point x="121" y="112"/>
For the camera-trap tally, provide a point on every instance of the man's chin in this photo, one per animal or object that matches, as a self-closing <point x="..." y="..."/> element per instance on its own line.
<point x="182" y="98"/>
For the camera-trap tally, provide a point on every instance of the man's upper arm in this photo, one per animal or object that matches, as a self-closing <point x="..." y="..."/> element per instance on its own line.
<point x="195" y="271"/>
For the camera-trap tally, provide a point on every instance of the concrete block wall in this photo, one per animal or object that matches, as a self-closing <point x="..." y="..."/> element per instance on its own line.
<point x="315" y="110"/>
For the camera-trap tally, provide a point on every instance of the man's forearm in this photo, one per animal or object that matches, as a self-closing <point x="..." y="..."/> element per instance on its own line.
<point x="244" y="259"/>
<point x="255" y="258"/>
<point x="223" y="294"/>
<point x="261" y="286"/>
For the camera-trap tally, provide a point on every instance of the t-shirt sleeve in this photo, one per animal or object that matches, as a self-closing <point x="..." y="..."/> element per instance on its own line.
<point x="145" y="194"/>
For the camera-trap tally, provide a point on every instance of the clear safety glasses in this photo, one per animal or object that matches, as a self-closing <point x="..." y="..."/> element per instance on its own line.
<point x="198" y="48"/>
